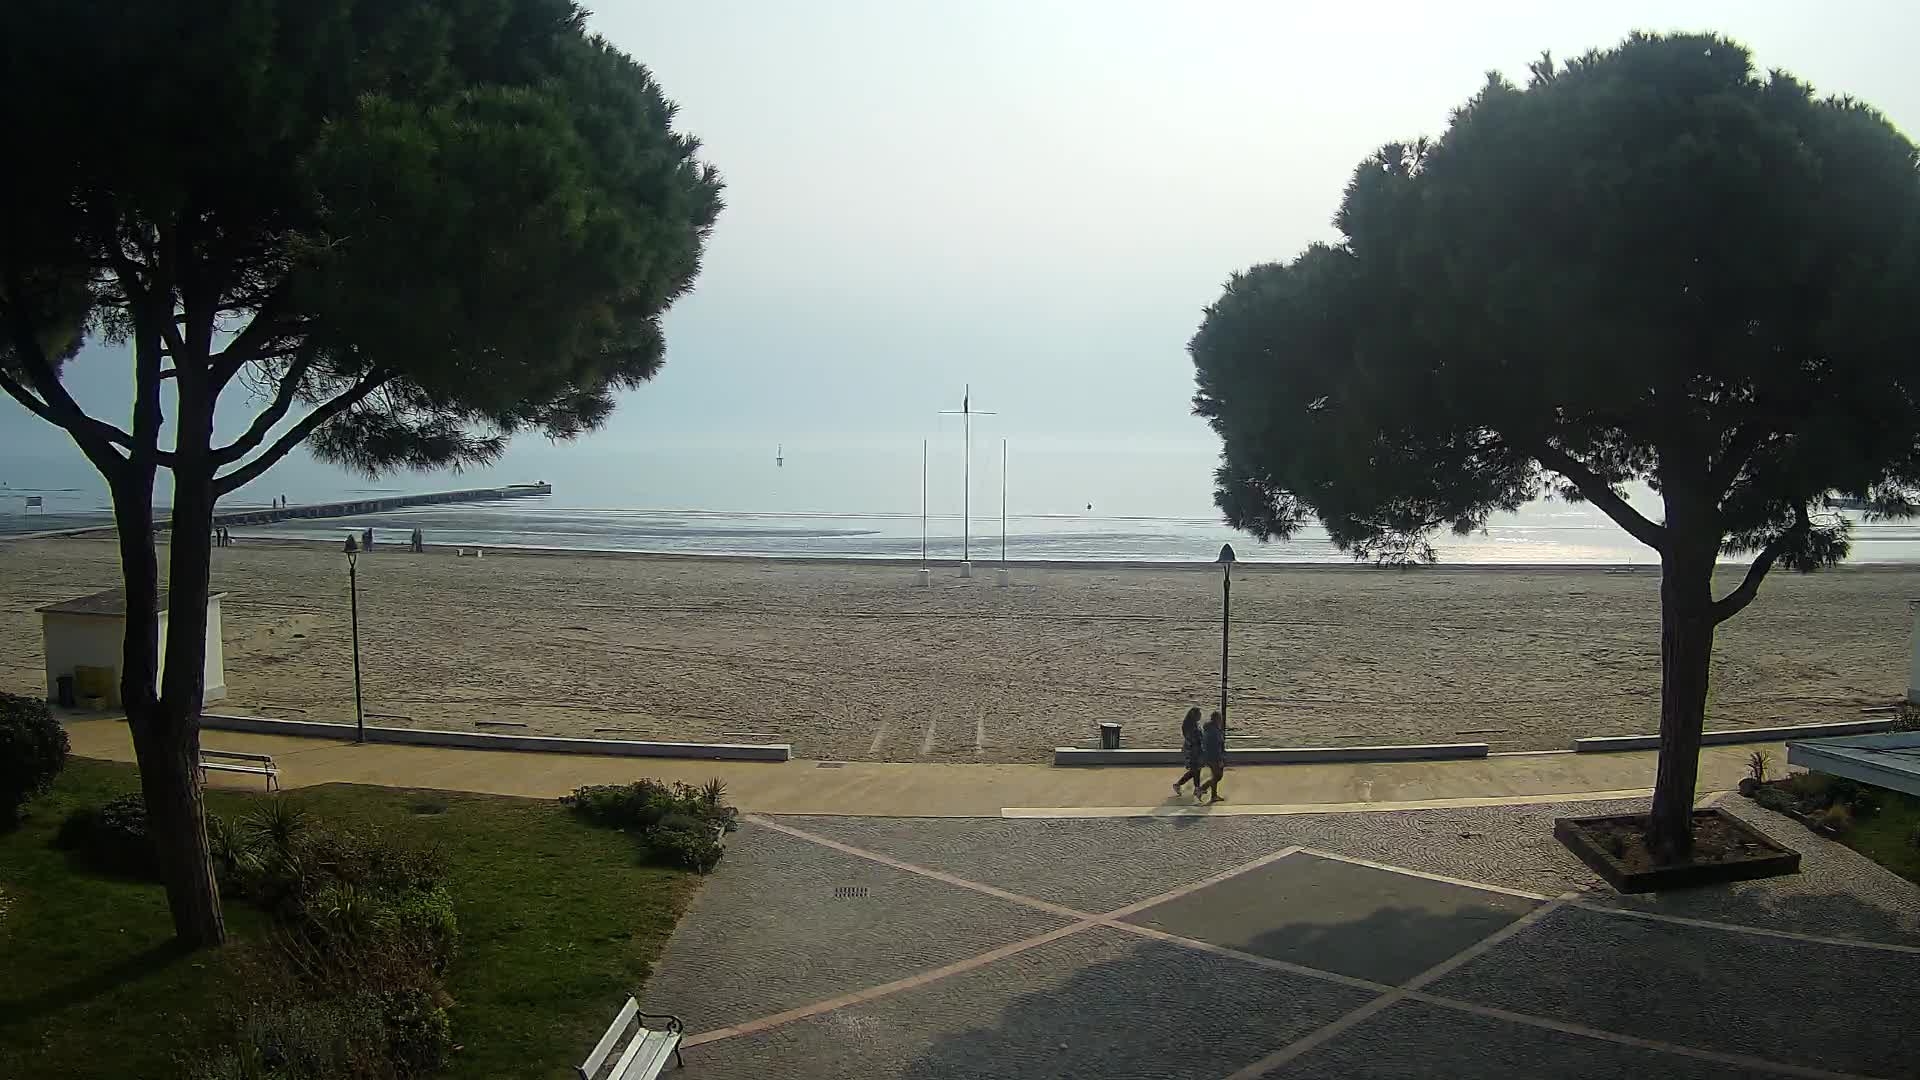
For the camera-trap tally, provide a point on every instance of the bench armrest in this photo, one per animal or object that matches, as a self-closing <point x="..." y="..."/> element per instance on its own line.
<point x="673" y="1022"/>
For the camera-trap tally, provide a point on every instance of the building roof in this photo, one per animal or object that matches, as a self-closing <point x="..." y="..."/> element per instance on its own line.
<point x="1890" y="761"/>
<point x="111" y="603"/>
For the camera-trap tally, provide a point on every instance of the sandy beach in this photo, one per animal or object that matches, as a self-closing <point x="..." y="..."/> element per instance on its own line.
<point x="853" y="662"/>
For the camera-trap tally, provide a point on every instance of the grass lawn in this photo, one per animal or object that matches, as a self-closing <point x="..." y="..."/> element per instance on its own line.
<point x="558" y="922"/>
<point x="1888" y="837"/>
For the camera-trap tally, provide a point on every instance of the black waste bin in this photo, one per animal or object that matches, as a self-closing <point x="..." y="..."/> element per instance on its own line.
<point x="1109" y="736"/>
<point x="63" y="691"/>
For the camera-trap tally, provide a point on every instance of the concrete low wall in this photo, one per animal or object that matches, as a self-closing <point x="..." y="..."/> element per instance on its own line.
<point x="1737" y="735"/>
<point x="477" y="741"/>
<point x="1274" y="755"/>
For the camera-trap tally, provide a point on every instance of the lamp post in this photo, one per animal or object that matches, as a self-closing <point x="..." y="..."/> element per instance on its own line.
<point x="353" y="593"/>
<point x="1226" y="618"/>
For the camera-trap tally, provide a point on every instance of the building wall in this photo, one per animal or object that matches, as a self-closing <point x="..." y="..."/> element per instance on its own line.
<point x="96" y="641"/>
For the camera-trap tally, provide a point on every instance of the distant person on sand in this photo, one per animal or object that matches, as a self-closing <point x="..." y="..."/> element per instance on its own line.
<point x="1190" y="750"/>
<point x="1213" y="754"/>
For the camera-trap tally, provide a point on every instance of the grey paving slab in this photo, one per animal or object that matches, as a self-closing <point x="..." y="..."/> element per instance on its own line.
<point x="1838" y="892"/>
<point x="1098" y="1005"/>
<point x="1416" y="1041"/>
<point x="767" y="933"/>
<point x="1099" y="864"/>
<point x="1842" y="1008"/>
<point x="1337" y="916"/>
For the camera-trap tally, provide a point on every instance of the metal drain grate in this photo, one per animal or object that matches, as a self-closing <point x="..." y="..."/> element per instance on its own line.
<point x="830" y="765"/>
<point x="850" y="892"/>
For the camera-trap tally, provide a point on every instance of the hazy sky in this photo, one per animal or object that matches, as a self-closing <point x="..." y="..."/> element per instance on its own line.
<point x="1038" y="198"/>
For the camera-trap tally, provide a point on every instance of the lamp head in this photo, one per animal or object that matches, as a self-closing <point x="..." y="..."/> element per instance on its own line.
<point x="1226" y="554"/>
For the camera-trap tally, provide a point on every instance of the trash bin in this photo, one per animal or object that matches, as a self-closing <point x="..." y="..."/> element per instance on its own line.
<point x="64" y="691"/>
<point x="1109" y="736"/>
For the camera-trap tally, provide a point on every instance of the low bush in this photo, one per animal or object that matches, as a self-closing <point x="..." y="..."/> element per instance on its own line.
<point x="318" y="1039"/>
<point x="675" y="826"/>
<point x="363" y="932"/>
<point x="112" y="837"/>
<point x="1835" y="819"/>
<point x="1777" y="799"/>
<point x="33" y="750"/>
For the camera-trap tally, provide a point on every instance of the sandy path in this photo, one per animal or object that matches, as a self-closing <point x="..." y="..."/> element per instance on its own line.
<point x="853" y="662"/>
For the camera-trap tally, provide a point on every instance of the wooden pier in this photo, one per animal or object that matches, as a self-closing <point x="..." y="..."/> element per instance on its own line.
<point x="352" y="507"/>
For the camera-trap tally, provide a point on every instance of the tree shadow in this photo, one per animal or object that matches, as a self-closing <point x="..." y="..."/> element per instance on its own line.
<point x="97" y="982"/>
<point x="1152" y="1009"/>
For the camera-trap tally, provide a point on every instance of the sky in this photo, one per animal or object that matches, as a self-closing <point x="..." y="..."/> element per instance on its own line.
<point x="1038" y="198"/>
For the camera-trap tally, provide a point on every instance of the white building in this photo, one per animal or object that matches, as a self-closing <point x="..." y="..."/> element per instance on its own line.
<point x="89" y="633"/>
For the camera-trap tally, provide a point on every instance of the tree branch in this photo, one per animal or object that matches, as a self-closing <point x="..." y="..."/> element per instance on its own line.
<point x="296" y="434"/>
<point x="251" y="342"/>
<point x="1740" y="449"/>
<point x="96" y="438"/>
<point x="1601" y="494"/>
<point x="275" y="412"/>
<point x="1737" y="600"/>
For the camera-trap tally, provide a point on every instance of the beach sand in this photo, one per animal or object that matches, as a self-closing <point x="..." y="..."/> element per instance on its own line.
<point x="852" y="661"/>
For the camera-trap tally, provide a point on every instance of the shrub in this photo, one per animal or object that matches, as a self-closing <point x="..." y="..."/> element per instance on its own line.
<point x="304" y="1040"/>
<point x="33" y="750"/>
<point x="693" y="849"/>
<point x="1779" y="800"/>
<point x="419" y="1035"/>
<point x="1758" y="763"/>
<point x="1835" y="819"/>
<point x="112" y="837"/>
<point x="424" y="916"/>
<point x="1810" y="787"/>
<point x="675" y="826"/>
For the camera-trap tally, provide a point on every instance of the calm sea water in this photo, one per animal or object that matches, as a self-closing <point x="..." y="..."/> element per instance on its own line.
<point x="1063" y="502"/>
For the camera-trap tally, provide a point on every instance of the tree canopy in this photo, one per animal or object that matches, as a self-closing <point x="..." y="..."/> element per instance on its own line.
<point x="1651" y="264"/>
<point x="1648" y="264"/>
<point x="405" y="229"/>
<point x="423" y="224"/>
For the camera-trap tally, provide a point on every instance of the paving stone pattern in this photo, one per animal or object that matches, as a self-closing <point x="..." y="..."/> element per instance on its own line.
<point x="767" y="935"/>
<point x="1099" y="1005"/>
<point x="1416" y="1041"/>
<point x="1336" y="916"/>
<point x="1826" y="1006"/>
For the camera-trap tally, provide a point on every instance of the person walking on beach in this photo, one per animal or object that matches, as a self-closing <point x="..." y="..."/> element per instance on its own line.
<point x="1190" y="749"/>
<point x="1213" y="754"/>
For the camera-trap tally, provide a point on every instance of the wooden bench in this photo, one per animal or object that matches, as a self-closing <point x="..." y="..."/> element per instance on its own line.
<point x="646" y="1053"/>
<point x="236" y="761"/>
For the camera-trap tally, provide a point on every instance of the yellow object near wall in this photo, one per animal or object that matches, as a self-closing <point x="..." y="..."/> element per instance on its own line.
<point x="91" y="682"/>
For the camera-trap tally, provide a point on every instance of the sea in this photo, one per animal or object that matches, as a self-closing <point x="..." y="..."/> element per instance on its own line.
<point x="1087" y="501"/>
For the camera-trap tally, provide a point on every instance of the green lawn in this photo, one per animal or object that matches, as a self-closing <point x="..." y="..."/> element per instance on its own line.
<point x="558" y="922"/>
<point x="1888" y="837"/>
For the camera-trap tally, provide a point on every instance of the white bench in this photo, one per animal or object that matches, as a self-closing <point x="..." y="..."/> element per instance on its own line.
<point x="646" y="1053"/>
<point x="236" y="761"/>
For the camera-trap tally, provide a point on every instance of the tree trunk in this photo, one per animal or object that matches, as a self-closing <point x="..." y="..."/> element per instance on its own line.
<point x="1686" y="652"/>
<point x="174" y="802"/>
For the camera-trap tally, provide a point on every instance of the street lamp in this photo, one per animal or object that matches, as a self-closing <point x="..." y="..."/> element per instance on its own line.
<point x="353" y="592"/>
<point x="1226" y="617"/>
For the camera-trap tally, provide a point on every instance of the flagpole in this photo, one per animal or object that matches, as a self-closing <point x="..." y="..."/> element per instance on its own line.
<point x="966" y="477"/>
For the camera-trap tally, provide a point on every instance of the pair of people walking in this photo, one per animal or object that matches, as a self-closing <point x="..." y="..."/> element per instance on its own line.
<point x="1205" y="748"/>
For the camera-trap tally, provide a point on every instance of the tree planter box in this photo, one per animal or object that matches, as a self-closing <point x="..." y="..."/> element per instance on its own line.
<point x="1746" y="853"/>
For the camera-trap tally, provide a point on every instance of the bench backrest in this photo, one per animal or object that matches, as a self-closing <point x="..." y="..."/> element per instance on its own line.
<point x="609" y="1040"/>
<point x="236" y="755"/>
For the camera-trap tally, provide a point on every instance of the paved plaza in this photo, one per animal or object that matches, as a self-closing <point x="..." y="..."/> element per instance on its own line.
<point x="1435" y="943"/>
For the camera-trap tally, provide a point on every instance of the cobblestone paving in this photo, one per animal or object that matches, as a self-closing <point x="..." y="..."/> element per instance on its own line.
<point x="1440" y="943"/>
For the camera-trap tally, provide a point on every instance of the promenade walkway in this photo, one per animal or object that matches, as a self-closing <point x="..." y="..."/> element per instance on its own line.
<point x="949" y="790"/>
<point x="1390" y="922"/>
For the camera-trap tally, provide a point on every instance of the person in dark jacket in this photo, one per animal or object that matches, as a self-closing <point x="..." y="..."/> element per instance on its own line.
<point x="1190" y="749"/>
<point x="1213" y="754"/>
